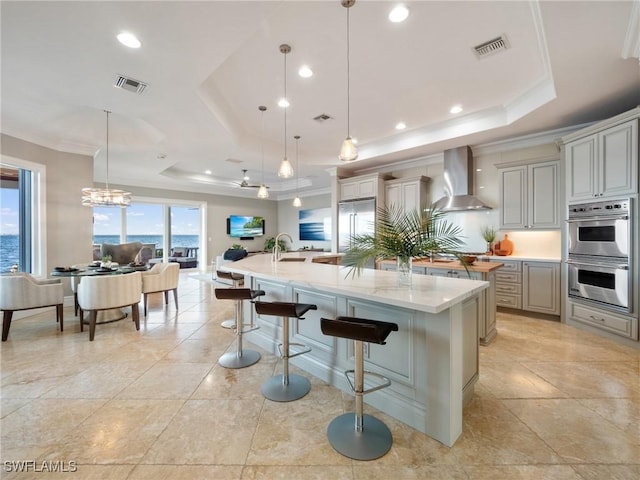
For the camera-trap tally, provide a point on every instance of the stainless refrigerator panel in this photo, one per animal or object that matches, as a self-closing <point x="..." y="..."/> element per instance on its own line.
<point x="355" y="218"/>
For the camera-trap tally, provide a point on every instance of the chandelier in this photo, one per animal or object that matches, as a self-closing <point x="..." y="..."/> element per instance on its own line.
<point x="105" y="197"/>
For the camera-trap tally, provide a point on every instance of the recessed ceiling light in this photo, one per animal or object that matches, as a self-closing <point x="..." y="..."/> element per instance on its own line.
<point x="400" y="126"/>
<point x="398" y="14"/>
<point x="129" y="40"/>
<point x="208" y="172"/>
<point x="305" y="71"/>
<point x="354" y="140"/>
<point x="478" y="169"/>
<point x="283" y="102"/>
<point x="456" y="109"/>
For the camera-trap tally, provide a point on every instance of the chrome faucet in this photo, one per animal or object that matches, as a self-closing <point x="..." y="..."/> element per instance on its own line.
<point x="277" y="251"/>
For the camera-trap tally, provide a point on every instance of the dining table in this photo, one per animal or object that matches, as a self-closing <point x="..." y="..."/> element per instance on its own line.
<point x="96" y="268"/>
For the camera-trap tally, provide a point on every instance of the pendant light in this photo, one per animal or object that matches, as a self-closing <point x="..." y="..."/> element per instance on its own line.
<point x="296" y="201"/>
<point x="285" y="170"/>
<point x="348" y="152"/>
<point x="105" y="197"/>
<point x="263" y="192"/>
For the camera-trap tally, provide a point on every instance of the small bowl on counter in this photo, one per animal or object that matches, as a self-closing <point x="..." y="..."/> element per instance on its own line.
<point x="468" y="259"/>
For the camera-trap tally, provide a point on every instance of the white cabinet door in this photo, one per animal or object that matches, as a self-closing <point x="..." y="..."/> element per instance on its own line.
<point x="543" y="196"/>
<point x="408" y="194"/>
<point x="541" y="287"/>
<point x="581" y="168"/>
<point x="618" y="153"/>
<point x="529" y="196"/>
<point x="603" y="164"/>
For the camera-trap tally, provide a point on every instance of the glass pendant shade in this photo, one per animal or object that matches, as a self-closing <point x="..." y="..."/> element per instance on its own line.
<point x="297" y="202"/>
<point x="263" y="192"/>
<point x="348" y="152"/>
<point x="285" y="170"/>
<point x="105" y="197"/>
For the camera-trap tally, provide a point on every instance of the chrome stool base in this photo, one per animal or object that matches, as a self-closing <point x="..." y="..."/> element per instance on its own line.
<point x="372" y="442"/>
<point x="231" y="323"/>
<point x="233" y="360"/>
<point x="276" y="390"/>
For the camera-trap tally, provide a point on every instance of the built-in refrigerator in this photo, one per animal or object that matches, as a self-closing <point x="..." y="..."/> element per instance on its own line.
<point x="355" y="217"/>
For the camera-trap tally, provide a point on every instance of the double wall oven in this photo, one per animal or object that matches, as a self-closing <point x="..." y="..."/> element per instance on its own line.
<point x="599" y="264"/>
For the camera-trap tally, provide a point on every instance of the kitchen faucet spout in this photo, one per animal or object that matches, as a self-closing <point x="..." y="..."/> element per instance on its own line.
<point x="277" y="251"/>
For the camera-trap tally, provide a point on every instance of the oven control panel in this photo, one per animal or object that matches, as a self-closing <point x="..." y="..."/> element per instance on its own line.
<point x="596" y="209"/>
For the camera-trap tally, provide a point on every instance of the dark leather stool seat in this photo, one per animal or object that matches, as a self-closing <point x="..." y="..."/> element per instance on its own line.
<point x="241" y="357"/>
<point x="235" y="278"/>
<point x="286" y="387"/>
<point x="359" y="436"/>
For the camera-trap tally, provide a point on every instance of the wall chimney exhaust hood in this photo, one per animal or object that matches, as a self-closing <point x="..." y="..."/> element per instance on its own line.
<point x="458" y="182"/>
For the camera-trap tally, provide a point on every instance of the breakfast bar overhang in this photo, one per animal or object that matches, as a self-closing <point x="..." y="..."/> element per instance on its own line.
<point x="432" y="360"/>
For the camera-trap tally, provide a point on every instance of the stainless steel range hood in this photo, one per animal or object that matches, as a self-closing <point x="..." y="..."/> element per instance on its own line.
<point x="458" y="182"/>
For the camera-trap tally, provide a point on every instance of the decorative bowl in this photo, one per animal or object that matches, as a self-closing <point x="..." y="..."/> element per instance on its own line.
<point x="501" y="253"/>
<point x="468" y="259"/>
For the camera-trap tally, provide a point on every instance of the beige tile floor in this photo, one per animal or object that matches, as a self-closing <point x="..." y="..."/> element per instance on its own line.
<point x="553" y="402"/>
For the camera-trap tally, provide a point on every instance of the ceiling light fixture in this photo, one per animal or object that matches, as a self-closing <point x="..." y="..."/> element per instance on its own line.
<point x="296" y="201"/>
<point x="129" y="40"/>
<point x="285" y="170"/>
<point x="305" y="71"/>
<point x="455" y="109"/>
<point x="398" y="14"/>
<point x="208" y="172"/>
<point x="263" y="192"/>
<point x="400" y="126"/>
<point x="105" y="197"/>
<point x="348" y="152"/>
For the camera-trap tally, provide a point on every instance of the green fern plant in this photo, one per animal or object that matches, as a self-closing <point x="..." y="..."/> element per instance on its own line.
<point x="414" y="234"/>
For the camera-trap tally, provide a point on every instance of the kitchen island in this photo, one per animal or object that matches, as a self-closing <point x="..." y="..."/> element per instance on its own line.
<point x="432" y="360"/>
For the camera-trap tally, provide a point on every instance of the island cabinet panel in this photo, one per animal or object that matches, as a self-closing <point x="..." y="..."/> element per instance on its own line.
<point x="394" y="359"/>
<point x="307" y="331"/>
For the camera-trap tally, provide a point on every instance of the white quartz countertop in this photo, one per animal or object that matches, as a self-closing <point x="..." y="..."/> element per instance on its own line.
<point x="427" y="293"/>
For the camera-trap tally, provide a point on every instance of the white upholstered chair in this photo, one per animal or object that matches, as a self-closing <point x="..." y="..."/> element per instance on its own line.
<point x="21" y="291"/>
<point x="106" y="292"/>
<point x="162" y="277"/>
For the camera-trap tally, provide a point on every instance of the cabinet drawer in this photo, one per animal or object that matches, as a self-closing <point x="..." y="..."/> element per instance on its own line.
<point x="513" y="288"/>
<point x="604" y="320"/>
<point x="508" y="277"/>
<point x="508" y="300"/>
<point x="509" y="266"/>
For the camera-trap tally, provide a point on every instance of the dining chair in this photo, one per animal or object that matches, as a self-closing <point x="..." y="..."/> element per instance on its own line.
<point x="162" y="277"/>
<point x="22" y="291"/>
<point x="107" y="292"/>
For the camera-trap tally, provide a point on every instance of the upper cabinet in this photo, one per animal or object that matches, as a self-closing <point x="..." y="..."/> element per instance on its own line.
<point x="604" y="162"/>
<point x="363" y="186"/>
<point x="529" y="195"/>
<point x="408" y="193"/>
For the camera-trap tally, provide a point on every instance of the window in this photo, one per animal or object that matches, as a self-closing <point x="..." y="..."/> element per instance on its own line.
<point x="22" y="232"/>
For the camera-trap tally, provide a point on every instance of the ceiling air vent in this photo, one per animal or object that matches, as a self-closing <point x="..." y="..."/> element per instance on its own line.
<point x="129" y="84"/>
<point x="492" y="46"/>
<point x="322" y="118"/>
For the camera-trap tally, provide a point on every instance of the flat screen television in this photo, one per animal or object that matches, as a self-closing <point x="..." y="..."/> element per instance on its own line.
<point x="242" y="226"/>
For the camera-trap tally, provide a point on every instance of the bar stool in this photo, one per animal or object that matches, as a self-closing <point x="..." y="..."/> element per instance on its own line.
<point x="359" y="436"/>
<point x="235" y="278"/>
<point x="240" y="358"/>
<point x="286" y="387"/>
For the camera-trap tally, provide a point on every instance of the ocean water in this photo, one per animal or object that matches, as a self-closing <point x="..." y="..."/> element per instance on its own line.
<point x="9" y="253"/>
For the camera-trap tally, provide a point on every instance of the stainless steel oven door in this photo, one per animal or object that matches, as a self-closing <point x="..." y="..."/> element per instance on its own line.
<point x="607" y="283"/>
<point x="603" y="236"/>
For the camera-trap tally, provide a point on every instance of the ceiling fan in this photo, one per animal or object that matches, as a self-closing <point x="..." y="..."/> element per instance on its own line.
<point x="245" y="181"/>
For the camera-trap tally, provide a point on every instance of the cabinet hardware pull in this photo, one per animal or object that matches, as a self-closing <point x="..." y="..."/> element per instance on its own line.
<point x="593" y="317"/>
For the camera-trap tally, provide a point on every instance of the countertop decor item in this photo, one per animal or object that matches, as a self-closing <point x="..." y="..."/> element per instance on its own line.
<point x="403" y="235"/>
<point x="489" y="234"/>
<point x="504" y="247"/>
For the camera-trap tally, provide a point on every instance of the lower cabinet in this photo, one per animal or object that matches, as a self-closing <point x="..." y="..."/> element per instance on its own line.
<point x="607" y="321"/>
<point x="529" y="285"/>
<point x="541" y="287"/>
